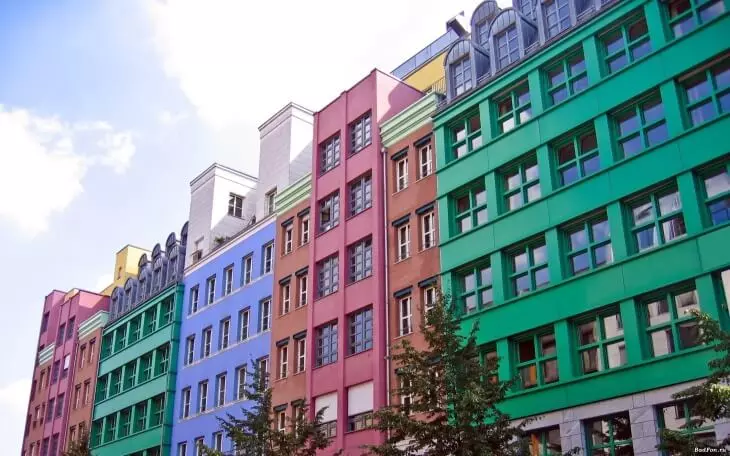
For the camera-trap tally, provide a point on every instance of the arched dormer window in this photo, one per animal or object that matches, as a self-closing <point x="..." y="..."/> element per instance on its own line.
<point x="528" y="8"/>
<point x="481" y="20"/>
<point x="511" y="37"/>
<point x="172" y="263"/>
<point x="557" y="16"/>
<point x="159" y="273"/>
<point x="465" y="64"/>
<point x="117" y="302"/>
<point x="130" y="289"/>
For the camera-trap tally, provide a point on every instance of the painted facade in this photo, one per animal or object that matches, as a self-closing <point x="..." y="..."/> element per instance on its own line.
<point x="135" y="387"/>
<point x="125" y="266"/>
<point x="583" y="195"/>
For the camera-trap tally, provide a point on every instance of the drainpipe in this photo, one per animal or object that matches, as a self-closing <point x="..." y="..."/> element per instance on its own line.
<point x="384" y="154"/>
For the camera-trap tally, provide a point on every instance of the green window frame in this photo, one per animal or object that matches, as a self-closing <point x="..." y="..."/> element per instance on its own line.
<point x="145" y="372"/>
<point x="588" y="244"/>
<point x="600" y="342"/>
<point x="130" y="374"/>
<point x="529" y="268"/>
<point x="670" y="325"/>
<point x="536" y="360"/>
<point x="125" y="422"/>
<point x="640" y="126"/>
<point x="96" y="430"/>
<point x="140" y="413"/>
<point x="474" y="288"/>
<point x="576" y="156"/>
<point x="566" y="77"/>
<point x="684" y="16"/>
<point x="626" y="44"/>
<point x="470" y="208"/>
<point x="106" y="345"/>
<point x="150" y="317"/>
<point x="657" y="219"/>
<point x="716" y="193"/>
<point x="162" y="358"/>
<point x="116" y="382"/>
<point x="166" y="311"/>
<point x="707" y="93"/>
<point x="543" y="442"/>
<point x="677" y="416"/>
<point x="110" y="428"/>
<point x="135" y="328"/>
<point x="466" y="135"/>
<point x="513" y="108"/>
<point x="609" y="435"/>
<point x="521" y="183"/>
<point x="158" y="409"/>
<point x="120" y="338"/>
<point x="101" y="384"/>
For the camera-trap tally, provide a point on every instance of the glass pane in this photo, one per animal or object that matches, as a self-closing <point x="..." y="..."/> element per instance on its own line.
<point x="580" y="84"/>
<point x="678" y="7"/>
<point x="578" y="239"/>
<point x="485" y="276"/>
<point x="469" y="282"/>
<point x="513" y="179"/>
<point x="526" y="351"/>
<point x="460" y="151"/>
<point x="591" y="361"/>
<point x="632" y="146"/>
<point x="698" y="89"/>
<point x="674" y="416"/>
<point x="653" y="110"/>
<point x="613" y="326"/>
<point x="627" y="123"/>
<point x="638" y="29"/>
<point x="717" y="183"/>
<point x="641" y="49"/>
<point x="580" y="263"/>
<point x="617" y="63"/>
<point x="702" y="113"/>
<point x="462" y="204"/>
<point x="642" y="213"/>
<point x="621" y="427"/>
<point x="720" y="211"/>
<point x="599" y="431"/>
<point x="587" y="333"/>
<point x="685" y="303"/>
<point x="542" y="277"/>
<point x="550" y="371"/>
<point x="569" y="175"/>
<point x="519" y="262"/>
<point x="556" y="76"/>
<point x="588" y="142"/>
<point x="669" y="203"/>
<point x="523" y="96"/>
<point x="725" y="102"/>
<point x="603" y="255"/>
<point x="721" y="73"/>
<point x="657" y="134"/>
<point x="616" y="354"/>
<point x="514" y="201"/>
<point x="658" y="312"/>
<point x="614" y="42"/>
<point x="464" y="224"/>
<point x="505" y="106"/>
<point x="529" y="376"/>
<point x="577" y="64"/>
<point x="533" y="192"/>
<point x="481" y="216"/>
<point x="474" y="124"/>
<point x="531" y="172"/>
<point x="480" y="197"/>
<point x="553" y="441"/>
<point x="712" y="11"/>
<point x="661" y="342"/>
<point x="470" y="303"/>
<point x="673" y="228"/>
<point x="459" y="133"/>
<point x="600" y="230"/>
<point x="525" y="115"/>
<point x="539" y="254"/>
<point x="566" y="153"/>
<point x="522" y="285"/>
<point x="689" y="334"/>
<point x="560" y="95"/>
<point x="646" y="238"/>
<point x="684" y="26"/>
<point x="487" y="297"/>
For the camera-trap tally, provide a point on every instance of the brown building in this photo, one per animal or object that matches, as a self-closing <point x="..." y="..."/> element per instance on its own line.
<point x="289" y="337"/>
<point x="37" y="404"/>
<point x="412" y="241"/>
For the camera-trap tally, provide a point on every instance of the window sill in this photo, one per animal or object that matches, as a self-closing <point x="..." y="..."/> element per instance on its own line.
<point x="321" y="233"/>
<point x="400" y="191"/>
<point x="229" y="348"/>
<point x="352" y="216"/>
<point x="403" y="336"/>
<point x="421" y="179"/>
<point x="354" y="282"/>
<point x="334" y="167"/>
<point x="223" y="298"/>
<point x="358" y="353"/>
<point x="402" y="260"/>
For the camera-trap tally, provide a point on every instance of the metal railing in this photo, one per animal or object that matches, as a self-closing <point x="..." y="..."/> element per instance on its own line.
<point x="437" y="87"/>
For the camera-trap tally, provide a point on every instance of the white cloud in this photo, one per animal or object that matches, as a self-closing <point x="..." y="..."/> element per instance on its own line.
<point x="43" y="161"/>
<point x="13" y="403"/>
<point x="168" y="118"/>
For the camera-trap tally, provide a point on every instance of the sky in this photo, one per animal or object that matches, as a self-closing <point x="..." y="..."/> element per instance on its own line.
<point x="109" y="108"/>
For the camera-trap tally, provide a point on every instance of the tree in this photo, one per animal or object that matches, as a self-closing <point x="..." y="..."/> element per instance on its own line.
<point x="709" y="401"/>
<point x="454" y="397"/>
<point x="80" y="446"/>
<point x="255" y="433"/>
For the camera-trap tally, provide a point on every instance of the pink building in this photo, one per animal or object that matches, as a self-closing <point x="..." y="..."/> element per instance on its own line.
<point x="347" y="320"/>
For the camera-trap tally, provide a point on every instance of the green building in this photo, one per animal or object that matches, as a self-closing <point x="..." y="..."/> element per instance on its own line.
<point x="133" y="404"/>
<point x="584" y="199"/>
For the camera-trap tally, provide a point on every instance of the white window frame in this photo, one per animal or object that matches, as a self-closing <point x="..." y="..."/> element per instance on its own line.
<point x="186" y="395"/>
<point x="220" y="398"/>
<point x="240" y="383"/>
<point x="429" y="294"/>
<point x="244" y="316"/>
<point x="210" y="290"/>
<point x="247" y="270"/>
<point x="235" y="205"/>
<point x="265" y="311"/>
<point x="425" y="167"/>
<point x="228" y="280"/>
<point x="284" y="361"/>
<point x="218" y="441"/>
<point x="270" y="202"/>
<point x="182" y="449"/>
<point x="203" y="399"/>
<point x="302" y="290"/>
<point x="428" y="237"/>
<point x="225" y="333"/>
<point x="401" y="174"/>
<point x="207" y="342"/>
<point x="403" y="235"/>
<point x="199" y="446"/>
<point x="405" y="314"/>
<point x="263" y="368"/>
<point x="301" y="355"/>
<point x="404" y="397"/>
<point x="286" y="298"/>
<point x="194" y="299"/>
<point x="288" y="239"/>
<point x="304" y="230"/>
<point x="268" y="258"/>
<point x="281" y="421"/>
<point x="190" y="349"/>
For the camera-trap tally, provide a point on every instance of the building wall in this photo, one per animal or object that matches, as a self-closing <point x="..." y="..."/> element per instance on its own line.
<point x="240" y="352"/>
<point x="36" y="414"/>
<point x="383" y="96"/>
<point x="429" y="74"/>
<point x="125" y="266"/>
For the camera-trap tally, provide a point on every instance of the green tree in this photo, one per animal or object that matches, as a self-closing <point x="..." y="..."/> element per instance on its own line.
<point x="709" y="401"/>
<point x="455" y="397"/>
<point x="80" y="446"/>
<point x="254" y="432"/>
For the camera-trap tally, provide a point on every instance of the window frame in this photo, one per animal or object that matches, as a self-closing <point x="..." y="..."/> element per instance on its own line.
<point x="247" y="269"/>
<point x="228" y="280"/>
<point x="461" y="68"/>
<point x="475" y="209"/>
<point x="539" y="361"/>
<point x="504" y="53"/>
<point x="267" y="263"/>
<point x="479" y="289"/>
<point x="705" y="75"/>
<point x="425" y="167"/>
<point x="224" y="333"/>
<point x="520" y="168"/>
<point x="360" y="256"/>
<point x="301" y="355"/>
<point x="328" y="272"/>
<point x="288" y="239"/>
<point x="515" y="108"/>
<point x="464" y="137"/>
<point x="331" y="201"/>
<point x="575" y="140"/>
<point x="638" y="109"/>
<point x="405" y="319"/>
<point x="210" y="290"/>
<point x="574" y="80"/>
<point x="403" y="242"/>
<point x="360" y="323"/>
<point x="694" y="12"/>
<point x="722" y="196"/>
<point x="285" y="290"/>
<point x="601" y="343"/>
<point x="244" y="316"/>
<point x="304" y="229"/>
<point x="360" y="133"/>
<point x="658" y="220"/>
<point x="612" y="444"/>
<point x="329" y="340"/>
<point x="674" y="321"/>
<point x="302" y="287"/>
<point x="401" y="174"/>
<point x="559" y="26"/>
<point x="330" y="153"/>
<point x="283" y="361"/>
<point x="265" y="315"/>
<point x="587" y="227"/>
<point x="531" y="268"/>
<point x="235" y="205"/>
<point x="428" y="236"/>
<point x="220" y="390"/>
<point x="361" y="194"/>
<point x="628" y="46"/>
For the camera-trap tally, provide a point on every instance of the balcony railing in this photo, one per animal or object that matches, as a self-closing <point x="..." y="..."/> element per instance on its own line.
<point x="437" y="87"/>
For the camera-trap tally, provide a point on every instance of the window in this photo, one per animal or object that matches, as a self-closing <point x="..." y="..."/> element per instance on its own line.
<point x="182" y="449"/>
<point x="194" y="291"/>
<point x="49" y="410"/>
<point x="66" y="366"/>
<point x="361" y="260"/>
<point x="262" y="369"/>
<point x="544" y="442"/>
<point x="285" y="298"/>
<point x="589" y="245"/>
<point x="220" y="390"/>
<point x="328" y="278"/>
<point x="304" y="229"/>
<point x="270" y="202"/>
<point x="514" y="108"/>
<point x="185" y="408"/>
<point x="429" y="299"/>
<point x="670" y="324"/>
<point x="657" y="219"/>
<point x="686" y="15"/>
<point x="679" y="417"/>
<point x="202" y="396"/>
<point x="301" y="345"/>
<point x="302" y="291"/>
<point x="207" y="339"/>
<point x="240" y="382"/>
<point x="223" y="335"/>
<point x="210" y="290"/>
<point x="707" y="93"/>
<point x="71" y="437"/>
<point x="235" y="205"/>
<point x="61" y="334"/>
<point x="199" y="446"/>
<point x="406" y="396"/>
<point x="243" y="324"/>
<point x="475" y="288"/>
<point x="360" y="134"/>
<point x="268" y="263"/>
<point x="566" y="78"/>
<point x="361" y="194"/>
<point x="281" y="421"/>
<point x="247" y="269"/>
<point x="403" y="233"/>
<point x="626" y="44"/>
<point x="557" y="16"/>
<point x="77" y="396"/>
<point x="577" y="156"/>
<point x="59" y="405"/>
<point x="466" y="136"/>
<point x="92" y="347"/>
<point x="265" y="317"/>
<point x="401" y="174"/>
<point x="228" y="280"/>
<point x="717" y="193"/>
<point x="405" y="313"/>
<point x="329" y="212"/>
<point x="641" y="126"/>
<point x="537" y="361"/>
<point x="461" y="76"/>
<point x="288" y="239"/>
<point x="329" y="152"/>
<point x="55" y="372"/>
<point x="601" y="343"/>
<point x="189" y="349"/>
<point x="471" y="208"/>
<point x="283" y="361"/>
<point x="428" y="230"/>
<point x="529" y="268"/>
<point x="521" y="183"/>
<point x="326" y="344"/>
<point x="70" y="328"/>
<point x="507" y="46"/>
<point x="87" y="392"/>
<point x="361" y="331"/>
<point x="359" y="407"/>
<point x="609" y="435"/>
<point x="425" y="162"/>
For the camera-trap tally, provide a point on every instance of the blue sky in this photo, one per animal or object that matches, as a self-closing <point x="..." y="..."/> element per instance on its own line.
<point x="108" y="108"/>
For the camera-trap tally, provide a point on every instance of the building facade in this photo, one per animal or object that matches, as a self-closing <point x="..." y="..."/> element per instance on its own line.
<point x="583" y="191"/>
<point x="291" y="293"/>
<point x="135" y="386"/>
<point x="56" y="369"/>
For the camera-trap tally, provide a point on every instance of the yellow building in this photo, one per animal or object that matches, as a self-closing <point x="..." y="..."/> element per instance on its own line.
<point x="125" y="266"/>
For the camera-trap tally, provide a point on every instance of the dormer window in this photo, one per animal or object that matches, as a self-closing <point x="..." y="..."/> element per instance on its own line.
<point x="235" y="205"/>
<point x="461" y="76"/>
<point x="507" y="47"/>
<point x="482" y="33"/>
<point x="557" y="16"/>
